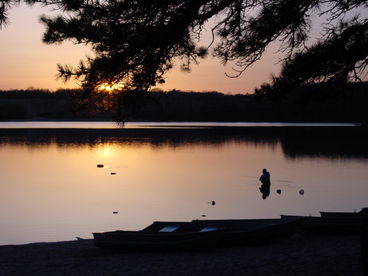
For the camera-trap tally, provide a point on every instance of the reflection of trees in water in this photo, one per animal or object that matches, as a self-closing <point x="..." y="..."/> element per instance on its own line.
<point x="296" y="142"/>
<point x="326" y="143"/>
<point x="156" y="137"/>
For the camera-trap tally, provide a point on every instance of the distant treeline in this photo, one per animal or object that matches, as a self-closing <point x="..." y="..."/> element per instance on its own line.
<point x="37" y="104"/>
<point x="314" y="103"/>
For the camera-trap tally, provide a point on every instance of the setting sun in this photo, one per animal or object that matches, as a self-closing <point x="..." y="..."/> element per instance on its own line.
<point x="109" y="87"/>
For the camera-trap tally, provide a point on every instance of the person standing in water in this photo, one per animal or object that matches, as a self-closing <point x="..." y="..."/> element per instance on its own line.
<point x="266" y="183"/>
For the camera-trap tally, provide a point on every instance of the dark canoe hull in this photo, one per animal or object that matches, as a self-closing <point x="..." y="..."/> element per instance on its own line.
<point x="189" y="235"/>
<point x="251" y="231"/>
<point x="334" y="225"/>
<point x="144" y="241"/>
<point x="337" y="226"/>
<point x="347" y="215"/>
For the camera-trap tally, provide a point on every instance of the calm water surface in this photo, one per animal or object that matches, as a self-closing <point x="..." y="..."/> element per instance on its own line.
<point x="51" y="188"/>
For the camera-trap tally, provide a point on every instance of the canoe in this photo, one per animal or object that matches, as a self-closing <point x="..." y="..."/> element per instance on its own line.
<point x="239" y="232"/>
<point x="332" y="225"/>
<point x="168" y="236"/>
<point x="198" y="234"/>
<point x="361" y="214"/>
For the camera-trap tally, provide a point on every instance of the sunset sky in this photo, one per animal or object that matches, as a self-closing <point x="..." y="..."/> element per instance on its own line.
<point x="27" y="62"/>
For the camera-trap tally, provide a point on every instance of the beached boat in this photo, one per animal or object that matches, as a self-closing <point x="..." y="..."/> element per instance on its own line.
<point x="237" y="232"/>
<point x="198" y="234"/>
<point x="332" y="225"/>
<point x="361" y="214"/>
<point x="161" y="236"/>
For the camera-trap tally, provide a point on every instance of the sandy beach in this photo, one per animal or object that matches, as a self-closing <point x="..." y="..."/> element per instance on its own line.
<point x="302" y="254"/>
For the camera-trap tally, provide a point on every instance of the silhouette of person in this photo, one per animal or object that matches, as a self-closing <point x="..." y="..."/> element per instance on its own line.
<point x="266" y="183"/>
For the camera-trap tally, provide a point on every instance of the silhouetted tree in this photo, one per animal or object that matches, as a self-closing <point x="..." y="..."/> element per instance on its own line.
<point x="137" y="41"/>
<point x="342" y="56"/>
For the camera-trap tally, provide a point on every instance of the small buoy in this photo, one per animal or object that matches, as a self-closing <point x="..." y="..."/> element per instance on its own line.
<point x="278" y="191"/>
<point x="115" y="212"/>
<point x="113" y="173"/>
<point x="100" y="165"/>
<point x="301" y="192"/>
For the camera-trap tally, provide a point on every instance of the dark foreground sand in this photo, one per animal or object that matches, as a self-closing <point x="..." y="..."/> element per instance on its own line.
<point x="302" y="254"/>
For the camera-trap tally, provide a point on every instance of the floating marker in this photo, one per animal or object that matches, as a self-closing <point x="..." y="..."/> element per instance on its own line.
<point x="301" y="192"/>
<point x="100" y="165"/>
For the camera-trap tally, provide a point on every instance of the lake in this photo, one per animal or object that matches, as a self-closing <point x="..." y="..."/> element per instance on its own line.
<point x="52" y="190"/>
